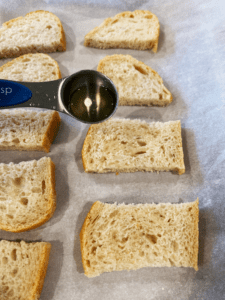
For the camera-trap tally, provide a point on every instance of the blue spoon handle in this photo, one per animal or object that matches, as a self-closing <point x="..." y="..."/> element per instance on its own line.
<point x="29" y="94"/>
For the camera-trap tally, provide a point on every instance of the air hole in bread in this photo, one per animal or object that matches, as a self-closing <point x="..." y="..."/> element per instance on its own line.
<point x="131" y="16"/>
<point x="160" y="96"/>
<point x="49" y="27"/>
<point x="142" y="144"/>
<point x="9" y="216"/>
<point x="88" y="263"/>
<point x="16" y="141"/>
<point x="4" y="260"/>
<point x="17" y="181"/>
<point x="140" y="152"/>
<point x="24" y="201"/>
<point x="43" y="187"/>
<point x="93" y="250"/>
<point x="142" y="253"/>
<point x="14" y="272"/>
<point x="124" y="240"/>
<point x="12" y="130"/>
<point x="54" y="73"/>
<point x="152" y="238"/>
<point x="172" y="263"/>
<point x="13" y="255"/>
<point x="140" y="69"/>
<point x="124" y="143"/>
<point x="154" y="90"/>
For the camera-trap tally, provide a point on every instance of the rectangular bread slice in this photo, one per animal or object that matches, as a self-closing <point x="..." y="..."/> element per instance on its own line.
<point x="123" y="145"/>
<point x="37" y="31"/>
<point x="136" y="83"/>
<point x="37" y="67"/>
<point x="27" y="194"/>
<point x="134" y="30"/>
<point x="129" y="237"/>
<point x="22" y="129"/>
<point x="23" y="267"/>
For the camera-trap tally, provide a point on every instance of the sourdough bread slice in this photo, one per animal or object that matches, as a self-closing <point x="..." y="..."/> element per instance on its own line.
<point x="38" y="31"/>
<point x="31" y="67"/>
<point x="22" y="129"/>
<point x="134" y="30"/>
<point x="23" y="268"/>
<point x="136" y="83"/>
<point x="123" y="145"/>
<point x="27" y="194"/>
<point x="129" y="237"/>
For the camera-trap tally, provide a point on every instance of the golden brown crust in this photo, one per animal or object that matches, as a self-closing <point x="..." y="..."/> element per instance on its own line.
<point x="196" y="234"/>
<point x="131" y="59"/>
<point x="95" y="209"/>
<point x="182" y="169"/>
<point x="51" y="131"/>
<point x="20" y="58"/>
<point x="85" y="145"/>
<point x="45" y="49"/>
<point x="51" y="205"/>
<point x="43" y="265"/>
<point x="88" y="41"/>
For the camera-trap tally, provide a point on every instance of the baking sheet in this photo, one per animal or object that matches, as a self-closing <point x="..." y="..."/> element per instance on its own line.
<point x="191" y="61"/>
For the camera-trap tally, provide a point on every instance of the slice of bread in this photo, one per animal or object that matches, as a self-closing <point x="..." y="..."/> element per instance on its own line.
<point x="136" y="83"/>
<point x="129" y="237"/>
<point x="134" y="30"/>
<point x="22" y="129"/>
<point x="23" y="267"/>
<point x="27" y="194"/>
<point x="123" y="145"/>
<point x="31" y="67"/>
<point x="38" y="31"/>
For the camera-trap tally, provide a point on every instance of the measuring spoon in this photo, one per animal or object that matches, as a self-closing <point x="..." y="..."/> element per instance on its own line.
<point x="88" y="95"/>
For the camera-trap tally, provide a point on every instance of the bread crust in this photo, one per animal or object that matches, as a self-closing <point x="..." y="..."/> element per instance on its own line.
<point x="39" y="281"/>
<point x="95" y="210"/>
<point x="32" y="49"/>
<point x="20" y="58"/>
<point x="89" y="42"/>
<point x="85" y="145"/>
<point x="120" y="58"/>
<point x="51" y="205"/>
<point x="195" y="208"/>
<point x="51" y="131"/>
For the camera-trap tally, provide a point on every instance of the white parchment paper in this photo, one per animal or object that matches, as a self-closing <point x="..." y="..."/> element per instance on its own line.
<point x="191" y="61"/>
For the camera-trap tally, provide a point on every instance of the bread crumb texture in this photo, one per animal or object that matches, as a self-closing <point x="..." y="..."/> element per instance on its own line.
<point x="129" y="237"/>
<point x="123" y="145"/>
<point x="134" y="30"/>
<point x="31" y="68"/>
<point x="23" y="268"/>
<point x="27" y="194"/>
<point x="38" y="31"/>
<point x="136" y="83"/>
<point x="22" y="129"/>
